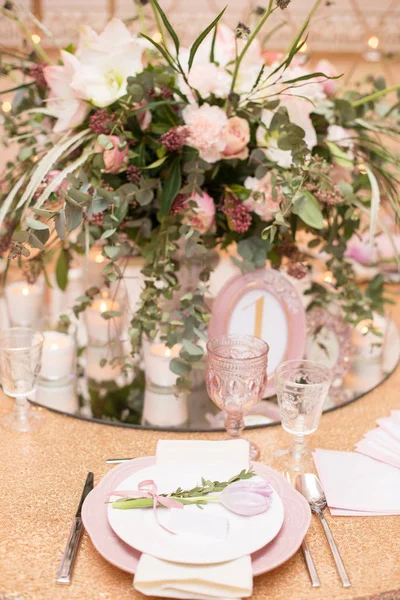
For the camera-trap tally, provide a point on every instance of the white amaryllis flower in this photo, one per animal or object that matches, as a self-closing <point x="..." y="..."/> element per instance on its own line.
<point x="63" y="102"/>
<point x="299" y="110"/>
<point x="106" y="61"/>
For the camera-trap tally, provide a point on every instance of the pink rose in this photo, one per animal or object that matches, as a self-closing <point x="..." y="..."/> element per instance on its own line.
<point x="262" y="202"/>
<point x="330" y="86"/>
<point x="202" y="216"/>
<point x="206" y="130"/>
<point x="113" y="159"/>
<point x="237" y="133"/>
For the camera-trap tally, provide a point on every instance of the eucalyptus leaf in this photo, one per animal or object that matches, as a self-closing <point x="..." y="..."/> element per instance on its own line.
<point x="62" y="269"/>
<point x="59" y="222"/>
<point x="73" y="217"/>
<point x="20" y="236"/>
<point x="110" y="314"/>
<point x="306" y="206"/>
<point x="37" y="225"/>
<point x="105" y="142"/>
<point x="179" y="366"/>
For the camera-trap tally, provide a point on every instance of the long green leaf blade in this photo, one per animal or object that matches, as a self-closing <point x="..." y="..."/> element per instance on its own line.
<point x="171" y="187"/>
<point x="162" y="51"/>
<point x="167" y="24"/>
<point x="201" y="38"/>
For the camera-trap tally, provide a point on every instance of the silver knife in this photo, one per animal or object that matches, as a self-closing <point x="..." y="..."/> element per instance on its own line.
<point x="64" y="572"/>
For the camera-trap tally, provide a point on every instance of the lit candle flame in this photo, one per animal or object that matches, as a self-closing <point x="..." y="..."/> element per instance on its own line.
<point x="99" y="258"/>
<point x="25" y="291"/>
<point x="103" y="306"/>
<point x="168" y="352"/>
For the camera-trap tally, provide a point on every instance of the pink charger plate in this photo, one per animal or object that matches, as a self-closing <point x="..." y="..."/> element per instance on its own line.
<point x="115" y="551"/>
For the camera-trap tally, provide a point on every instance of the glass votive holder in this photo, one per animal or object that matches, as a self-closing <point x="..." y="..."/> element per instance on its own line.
<point x="60" y="397"/>
<point x="59" y="354"/>
<point x="164" y="407"/>
<point x="106" y="317"/>
<point x="157" y="360"/>
<point x="24" y="303"/>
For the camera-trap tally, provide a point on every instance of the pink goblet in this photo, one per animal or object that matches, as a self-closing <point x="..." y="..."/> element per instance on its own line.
<point x="236" y="377"/>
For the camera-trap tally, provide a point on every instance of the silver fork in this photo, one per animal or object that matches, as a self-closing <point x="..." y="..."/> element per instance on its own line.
<point x="312" y="571"/>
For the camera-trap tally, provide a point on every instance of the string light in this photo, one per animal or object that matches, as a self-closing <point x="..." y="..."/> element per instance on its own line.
<point x="6" y="107"/>
<point x="36" y="38"/>
<point x="373" y="42"/>
<point x="157" y="37"/>
<point x="372" y="54"/>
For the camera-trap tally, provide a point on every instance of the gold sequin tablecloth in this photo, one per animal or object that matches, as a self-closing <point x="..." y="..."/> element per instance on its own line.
<point x="42" y="476"/>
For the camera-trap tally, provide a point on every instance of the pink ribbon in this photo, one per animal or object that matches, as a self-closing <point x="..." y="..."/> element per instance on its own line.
<point x="148" y="489"/>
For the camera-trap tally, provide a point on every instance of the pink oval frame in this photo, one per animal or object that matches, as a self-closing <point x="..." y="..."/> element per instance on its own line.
<point x="278" y="285"/>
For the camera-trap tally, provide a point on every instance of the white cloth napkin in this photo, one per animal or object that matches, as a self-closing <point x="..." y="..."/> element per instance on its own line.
<point x="383" y="442"/>
<point x="357" y="485"/>
<point x="224" y="581"/>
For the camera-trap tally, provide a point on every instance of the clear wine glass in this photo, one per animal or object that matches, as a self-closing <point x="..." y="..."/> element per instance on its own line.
<point x="302" y="387"/>
<point x="20" y="359"/>
<point x="236" y="376"/>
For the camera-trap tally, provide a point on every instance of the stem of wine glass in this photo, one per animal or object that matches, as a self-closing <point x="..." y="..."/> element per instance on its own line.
<point x="22" y="408"/>
<point x="234" y="425"/>
<point x="298" y="449"/>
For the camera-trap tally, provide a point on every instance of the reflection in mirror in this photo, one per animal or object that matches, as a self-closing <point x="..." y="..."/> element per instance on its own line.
<point x="108" y="403"/>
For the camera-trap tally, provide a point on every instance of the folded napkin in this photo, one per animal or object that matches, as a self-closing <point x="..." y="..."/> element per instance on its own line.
<point x="229" y="580"/>
<point x="357" y="485"/>
<point x="383" y="442"/>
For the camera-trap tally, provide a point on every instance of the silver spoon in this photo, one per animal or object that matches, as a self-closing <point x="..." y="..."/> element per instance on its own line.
<point x="310" y="486"/>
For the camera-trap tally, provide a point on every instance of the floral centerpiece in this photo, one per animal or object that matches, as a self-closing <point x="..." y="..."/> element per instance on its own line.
<point x="170" y="152"/>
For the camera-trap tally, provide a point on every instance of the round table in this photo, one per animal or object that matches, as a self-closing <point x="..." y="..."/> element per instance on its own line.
<point x="42" y="477"/>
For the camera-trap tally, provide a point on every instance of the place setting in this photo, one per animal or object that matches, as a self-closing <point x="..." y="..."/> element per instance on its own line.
<point x="199" y="316"/>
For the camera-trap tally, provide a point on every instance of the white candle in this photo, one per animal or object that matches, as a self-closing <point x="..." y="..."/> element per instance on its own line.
<point x="94" y="355"/>
<point x="99" y="329"/>
<point x="58" y="356"/>
<point x="164" y="410"/>
<point x="367" y="344"/>
<point x="61" y="301"/>
<point x="157" y="359"/>
<point x="133" y="281"/>
<point x="24" y="303"/>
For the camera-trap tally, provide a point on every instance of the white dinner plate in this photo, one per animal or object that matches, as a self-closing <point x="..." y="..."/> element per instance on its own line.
<point x="139" y="529"/>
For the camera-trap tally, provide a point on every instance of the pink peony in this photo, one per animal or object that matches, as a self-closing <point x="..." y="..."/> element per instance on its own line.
<point x="237" y="132"/>
<point x="202" y="216"/>
<point x="330" y="86"/>
<point x="113" y="159"/>
<point x="63" y="102"/>
<point x="262" y="203"/>
<point x="206" y="130"/>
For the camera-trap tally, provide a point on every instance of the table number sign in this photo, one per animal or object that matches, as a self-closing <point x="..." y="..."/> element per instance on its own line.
<point x="265" y="304"/>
